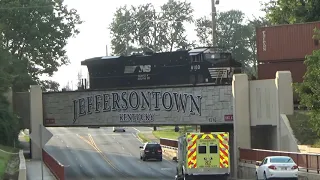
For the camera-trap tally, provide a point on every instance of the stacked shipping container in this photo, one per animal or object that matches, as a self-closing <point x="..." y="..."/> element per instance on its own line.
<point x="284" y="47"/>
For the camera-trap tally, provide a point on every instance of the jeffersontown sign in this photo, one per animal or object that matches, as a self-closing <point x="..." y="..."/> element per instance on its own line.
<point x="167" y="106"/>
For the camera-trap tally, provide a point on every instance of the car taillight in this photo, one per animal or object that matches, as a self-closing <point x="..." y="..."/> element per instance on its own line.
<point x="294" y="167"/>
<point x="159" y="150"/>
<point x="272" y="167"/>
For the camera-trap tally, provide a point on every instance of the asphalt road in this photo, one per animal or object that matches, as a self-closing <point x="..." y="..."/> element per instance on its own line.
<point x="100" y="154"/>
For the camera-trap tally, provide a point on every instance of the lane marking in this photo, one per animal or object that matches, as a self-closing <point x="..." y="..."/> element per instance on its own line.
<point x="138" y="138"/>
<point x="136" y="129"/>
<point x="92" y="144"/>
<point x="134" y="135"/>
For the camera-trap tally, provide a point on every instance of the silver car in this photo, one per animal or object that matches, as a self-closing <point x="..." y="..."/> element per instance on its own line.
<point x="119" y="129"/>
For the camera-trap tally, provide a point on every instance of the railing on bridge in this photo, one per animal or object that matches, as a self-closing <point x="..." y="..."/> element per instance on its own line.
<point x="170" y="143"/>
<point x="54" y="166"/>
<point x="307" y="162"/>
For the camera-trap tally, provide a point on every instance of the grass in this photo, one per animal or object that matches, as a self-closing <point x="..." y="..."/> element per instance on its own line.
<point x="5" y="158"/>
<point x="143" y="138"/>
<point x="169" y="133"/>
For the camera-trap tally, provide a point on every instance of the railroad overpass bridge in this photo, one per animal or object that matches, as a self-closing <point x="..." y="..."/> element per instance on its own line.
<point x="245" y="109"/>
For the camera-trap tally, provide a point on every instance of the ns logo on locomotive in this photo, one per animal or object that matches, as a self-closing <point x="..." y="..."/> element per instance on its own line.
<point x="196" y="66"/>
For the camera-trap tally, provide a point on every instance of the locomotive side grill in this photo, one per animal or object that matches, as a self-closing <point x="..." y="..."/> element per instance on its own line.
<point x="219" y="72"/>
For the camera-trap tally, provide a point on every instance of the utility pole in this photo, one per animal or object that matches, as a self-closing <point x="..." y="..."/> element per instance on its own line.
<point x="214" y="21"/>
<point x="127" y="34"/>
<point x="155" y="33"/>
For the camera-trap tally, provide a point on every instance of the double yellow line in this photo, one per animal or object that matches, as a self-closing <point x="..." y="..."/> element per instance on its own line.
<point x="91" y="142"/>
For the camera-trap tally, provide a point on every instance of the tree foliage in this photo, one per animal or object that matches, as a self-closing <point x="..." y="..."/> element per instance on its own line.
<point x="234" y="34"/>
<point x="141" y="28"/>
<point x="36" y="33"/>
<point x="292" y="11"/>
<point x="32" y="41"/>
<point x="309" y="91"/>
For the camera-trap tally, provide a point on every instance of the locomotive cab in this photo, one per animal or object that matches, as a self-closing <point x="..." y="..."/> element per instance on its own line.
<point x="212" y="65"/>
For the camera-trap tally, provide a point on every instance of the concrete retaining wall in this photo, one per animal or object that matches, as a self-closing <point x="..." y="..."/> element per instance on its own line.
<point x="22" y="167"/>
<point x="169" y="152"/>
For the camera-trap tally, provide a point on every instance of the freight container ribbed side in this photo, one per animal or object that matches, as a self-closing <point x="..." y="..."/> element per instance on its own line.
<point x="286" y="42"/>
<point x="268" y="70"/>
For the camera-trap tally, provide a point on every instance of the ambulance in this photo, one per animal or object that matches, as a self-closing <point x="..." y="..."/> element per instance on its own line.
<point x="203" y="156"/>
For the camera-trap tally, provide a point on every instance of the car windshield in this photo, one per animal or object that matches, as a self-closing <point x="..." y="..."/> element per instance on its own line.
<point x="153" y="146"/>
<point x="281" y="160"/>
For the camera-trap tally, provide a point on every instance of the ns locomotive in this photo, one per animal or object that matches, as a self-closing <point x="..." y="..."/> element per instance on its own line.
<point x="197" y="66"/>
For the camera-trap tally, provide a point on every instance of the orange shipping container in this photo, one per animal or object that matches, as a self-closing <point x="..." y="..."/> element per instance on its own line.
<point x="285" y="42"/>
<point x="268" y="71"/>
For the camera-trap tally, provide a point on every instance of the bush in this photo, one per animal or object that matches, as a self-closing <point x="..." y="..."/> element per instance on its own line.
<point x="9" y="124"/>
<point x="302" y="128"/>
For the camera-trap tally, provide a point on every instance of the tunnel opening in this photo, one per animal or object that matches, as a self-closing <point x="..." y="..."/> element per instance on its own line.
<point x="264" y="137"/>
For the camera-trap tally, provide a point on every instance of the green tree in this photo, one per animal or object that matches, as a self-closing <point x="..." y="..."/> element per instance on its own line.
<point x="9" y="123"/>
<point x="251" y="42"/>
<point x="292" y="11"/>
<point x="141" y="28"/>
<point x="232" y="34"/>
<point x="171" y="29"/>
<point x="308" y="90"/>
<point x="36" y="33"/>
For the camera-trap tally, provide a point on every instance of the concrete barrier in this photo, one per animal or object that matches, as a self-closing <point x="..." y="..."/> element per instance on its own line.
<point x="169" y="152"/>
<point x="54" y="166"/>
<point x="248" y="171"/>
<point x="22" y="167"/>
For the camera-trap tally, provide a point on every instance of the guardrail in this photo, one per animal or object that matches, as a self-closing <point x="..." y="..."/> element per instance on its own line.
<point x="169" y="142"/>
<point x="55" y="167"/>
<point x="308" y="162"/>
<point x="22" y="167"/>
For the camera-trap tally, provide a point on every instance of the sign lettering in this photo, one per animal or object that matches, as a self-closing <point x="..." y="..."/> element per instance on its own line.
<point x="137" y="118"/>
<point x="145" y="68"/>
<point x="137" y="101"/>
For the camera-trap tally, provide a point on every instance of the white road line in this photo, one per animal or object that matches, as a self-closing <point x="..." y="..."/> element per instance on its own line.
<point x="136" y="129"/>
<point x="138" y="138"/>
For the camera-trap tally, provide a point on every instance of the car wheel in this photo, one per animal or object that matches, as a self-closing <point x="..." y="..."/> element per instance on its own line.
<point x="140" y="157"/>
<point x="186" y="177"/>
<point x="160" y="159"/>
<point x="124" y="130"/>
<point x="265" y="176"/>
<point x="114" y="130"/>
<point x="144" y="159"/>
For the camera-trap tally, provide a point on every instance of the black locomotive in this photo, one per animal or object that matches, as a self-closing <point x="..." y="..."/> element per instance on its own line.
<point x="199" y="65"/>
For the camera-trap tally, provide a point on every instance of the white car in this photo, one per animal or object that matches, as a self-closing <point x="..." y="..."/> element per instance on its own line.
<point x="119" y="129"/>
<point x="277" y="167"/>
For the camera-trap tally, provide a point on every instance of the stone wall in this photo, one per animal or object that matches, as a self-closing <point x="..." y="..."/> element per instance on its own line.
<point x="165" y="106"/>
